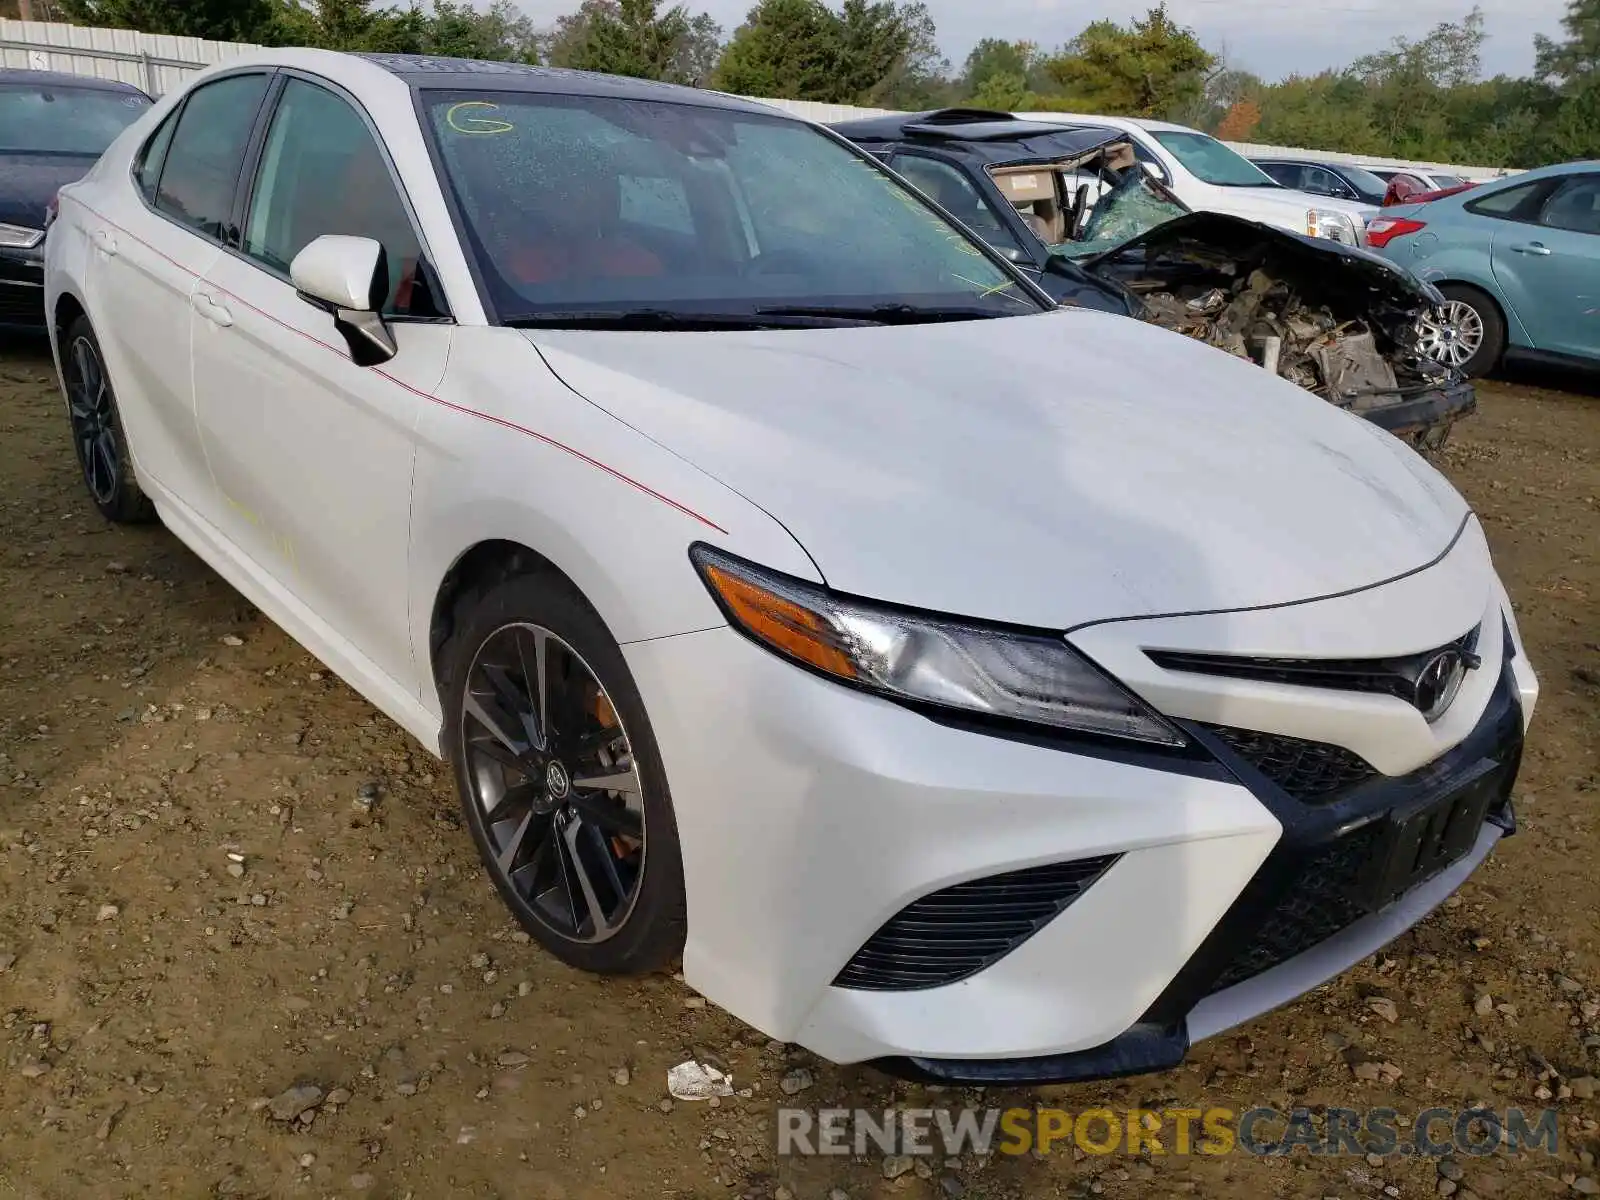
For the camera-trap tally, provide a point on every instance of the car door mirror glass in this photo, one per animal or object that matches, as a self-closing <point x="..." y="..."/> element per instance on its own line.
<point x="348" y="276"/>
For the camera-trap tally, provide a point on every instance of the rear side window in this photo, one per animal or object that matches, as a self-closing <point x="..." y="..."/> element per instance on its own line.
<point x="153" y="156"/>
<point x="1575" y="206"/>
<point x="1512" y="203"/>
<point x="207" y="152"/>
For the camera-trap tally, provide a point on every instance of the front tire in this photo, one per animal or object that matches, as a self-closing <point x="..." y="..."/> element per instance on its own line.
<point x="98" y="437"/>
<point x="560" y="779"/>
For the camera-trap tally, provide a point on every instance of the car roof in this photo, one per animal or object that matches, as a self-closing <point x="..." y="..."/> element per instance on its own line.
<point x="1124" y="123"/>
<point x="433" y="71"/>
<point x="63" y="79"/>
<point x="994" y="137"/>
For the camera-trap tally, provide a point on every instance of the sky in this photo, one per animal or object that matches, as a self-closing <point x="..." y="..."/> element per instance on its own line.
<point x="1273" y="38"/>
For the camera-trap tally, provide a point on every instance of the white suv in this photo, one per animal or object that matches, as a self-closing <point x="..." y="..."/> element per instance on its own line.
<point x="1209" y="177"/>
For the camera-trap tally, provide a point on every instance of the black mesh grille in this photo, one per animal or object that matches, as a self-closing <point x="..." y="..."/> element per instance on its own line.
<point x="22" y="306"/>
<point x="1311" y="772"/>
<point x="957" y="932"/>
<point x="1321" y="903"/>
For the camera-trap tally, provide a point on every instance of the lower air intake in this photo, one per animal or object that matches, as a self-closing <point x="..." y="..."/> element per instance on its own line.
<point x="1311" y="772"/>
<point x="951" y="934"/>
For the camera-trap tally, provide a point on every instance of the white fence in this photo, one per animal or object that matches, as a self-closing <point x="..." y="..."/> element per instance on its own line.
<point x="158" y="63"/>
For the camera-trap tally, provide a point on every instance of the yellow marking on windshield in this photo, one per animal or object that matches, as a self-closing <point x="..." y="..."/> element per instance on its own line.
<point x="476" y="125"/>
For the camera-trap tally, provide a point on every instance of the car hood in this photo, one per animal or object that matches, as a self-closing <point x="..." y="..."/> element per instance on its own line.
<point x="1291" y="200"/>
<point x="29" y="181"/>
<point x="1045" y="470"/>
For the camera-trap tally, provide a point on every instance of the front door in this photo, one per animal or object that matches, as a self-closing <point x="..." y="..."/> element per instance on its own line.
<point x="313" y="454"/>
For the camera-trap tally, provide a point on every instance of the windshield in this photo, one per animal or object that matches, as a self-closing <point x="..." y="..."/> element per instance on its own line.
<point x="50" y="119"/>
<point x="588" y="205"/>
<point x="1134" y="206"/>
<point x="1210" y="161"/>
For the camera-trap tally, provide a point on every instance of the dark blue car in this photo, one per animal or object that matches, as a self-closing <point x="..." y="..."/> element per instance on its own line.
<point x="52" y="129"/>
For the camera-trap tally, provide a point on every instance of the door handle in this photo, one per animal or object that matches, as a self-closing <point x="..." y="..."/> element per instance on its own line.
<point x="1536" y="248"/>
<point x="104" y="242"/>
<point x="208" y="308"/>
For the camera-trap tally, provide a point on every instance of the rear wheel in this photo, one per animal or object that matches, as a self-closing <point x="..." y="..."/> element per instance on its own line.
<point x="97" y="433"/>
<point x="559" y="777"/>
<point x="1468" y="333"/>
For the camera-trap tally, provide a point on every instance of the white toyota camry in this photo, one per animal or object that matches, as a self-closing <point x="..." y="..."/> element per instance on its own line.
<point x="991" y="691"/>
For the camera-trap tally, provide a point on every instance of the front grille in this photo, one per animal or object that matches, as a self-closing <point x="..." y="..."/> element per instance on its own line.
<point x="21" y="305"/>
<point x="1321" y="902"/>
<point x="951" y="934"/>
<point x="1376" y="676"/>
<point x="1311" y="772"/>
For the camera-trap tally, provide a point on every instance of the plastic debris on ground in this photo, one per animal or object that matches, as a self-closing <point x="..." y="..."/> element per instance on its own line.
<point x="698" y="1081"/>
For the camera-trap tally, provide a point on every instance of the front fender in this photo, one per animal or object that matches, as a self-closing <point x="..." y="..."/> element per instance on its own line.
<point x="507" y="452"/>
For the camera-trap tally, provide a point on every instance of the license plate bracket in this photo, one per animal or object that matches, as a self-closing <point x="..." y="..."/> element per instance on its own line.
<point x="1424" y="839"/>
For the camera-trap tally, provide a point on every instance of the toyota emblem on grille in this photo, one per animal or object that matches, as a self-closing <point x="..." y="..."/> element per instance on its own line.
<point x="1439" y="681"/>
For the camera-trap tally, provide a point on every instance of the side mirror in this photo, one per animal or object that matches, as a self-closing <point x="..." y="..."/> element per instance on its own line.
<point x="349" y="277"/>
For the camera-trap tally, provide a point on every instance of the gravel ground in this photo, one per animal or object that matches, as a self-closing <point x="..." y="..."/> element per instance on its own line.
<point x="225" y="877"/>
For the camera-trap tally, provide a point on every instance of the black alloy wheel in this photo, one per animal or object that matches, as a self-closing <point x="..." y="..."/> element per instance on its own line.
<point x="561" y="783"/>
<point x="98" y="437"/>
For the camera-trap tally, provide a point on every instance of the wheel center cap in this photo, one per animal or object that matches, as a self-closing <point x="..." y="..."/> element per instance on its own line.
<point x="556" y="780"/>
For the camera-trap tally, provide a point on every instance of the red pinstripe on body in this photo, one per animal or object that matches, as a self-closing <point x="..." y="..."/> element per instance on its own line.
<point x="428" y="396"/>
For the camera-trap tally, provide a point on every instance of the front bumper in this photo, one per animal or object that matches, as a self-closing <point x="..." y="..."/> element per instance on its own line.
<point x="22" y="289"/>
<point x="812" y="818"/>
<point x="1300" y="921"/>
<point x="1427" y="413"/>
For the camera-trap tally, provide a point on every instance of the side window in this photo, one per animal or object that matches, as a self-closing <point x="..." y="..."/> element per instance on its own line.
<point x="1323" y="182"/>
<point x="207" y="150"/>
<point x="656" y="201"/>
<point x="153" y="156"/>
<point x="1509" y="203"/>
<point x="1284" y="173"/>
<point x="322" y="172"/>
<point x="1150" y="162"/>
<point x="957" y="194"/>
<point x="1575" y="205"/>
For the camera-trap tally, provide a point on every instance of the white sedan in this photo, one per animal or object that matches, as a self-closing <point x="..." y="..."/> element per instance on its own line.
<point x="991" y="691"/>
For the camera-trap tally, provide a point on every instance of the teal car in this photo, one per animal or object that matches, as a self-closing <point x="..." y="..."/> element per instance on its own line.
<point x="1518" y="262"/>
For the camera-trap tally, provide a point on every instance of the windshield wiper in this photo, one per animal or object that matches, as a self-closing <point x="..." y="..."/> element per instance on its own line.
<point x="885" y="314"/>
<point x="659" y="318"/>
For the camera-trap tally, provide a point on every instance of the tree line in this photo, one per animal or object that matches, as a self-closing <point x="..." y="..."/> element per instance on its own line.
<point x="1420" y="98"/>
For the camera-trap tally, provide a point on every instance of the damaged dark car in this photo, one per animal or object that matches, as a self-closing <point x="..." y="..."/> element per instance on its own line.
<point x="1074" y="208"/>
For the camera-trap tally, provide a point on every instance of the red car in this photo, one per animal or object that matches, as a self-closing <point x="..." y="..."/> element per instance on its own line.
<point x="1414" y="187"/>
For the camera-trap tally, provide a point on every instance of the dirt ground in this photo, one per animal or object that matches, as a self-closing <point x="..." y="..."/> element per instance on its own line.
<point x="155" y="990"/>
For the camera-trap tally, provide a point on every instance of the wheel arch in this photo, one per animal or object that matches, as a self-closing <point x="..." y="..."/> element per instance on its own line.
<point x="475" y="570"/>
<point x="68" y="309"/>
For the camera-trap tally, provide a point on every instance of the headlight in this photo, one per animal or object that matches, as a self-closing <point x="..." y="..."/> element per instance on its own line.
<point x="1011" y="674"/>
<point x="20" y="237"/>
<point x="1337" y="226"/>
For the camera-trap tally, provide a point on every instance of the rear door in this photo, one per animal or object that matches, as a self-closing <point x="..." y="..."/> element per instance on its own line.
<point x="1549" y="267"/>
<point x="151" y="245"/>
<point x="312" y="453"/>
